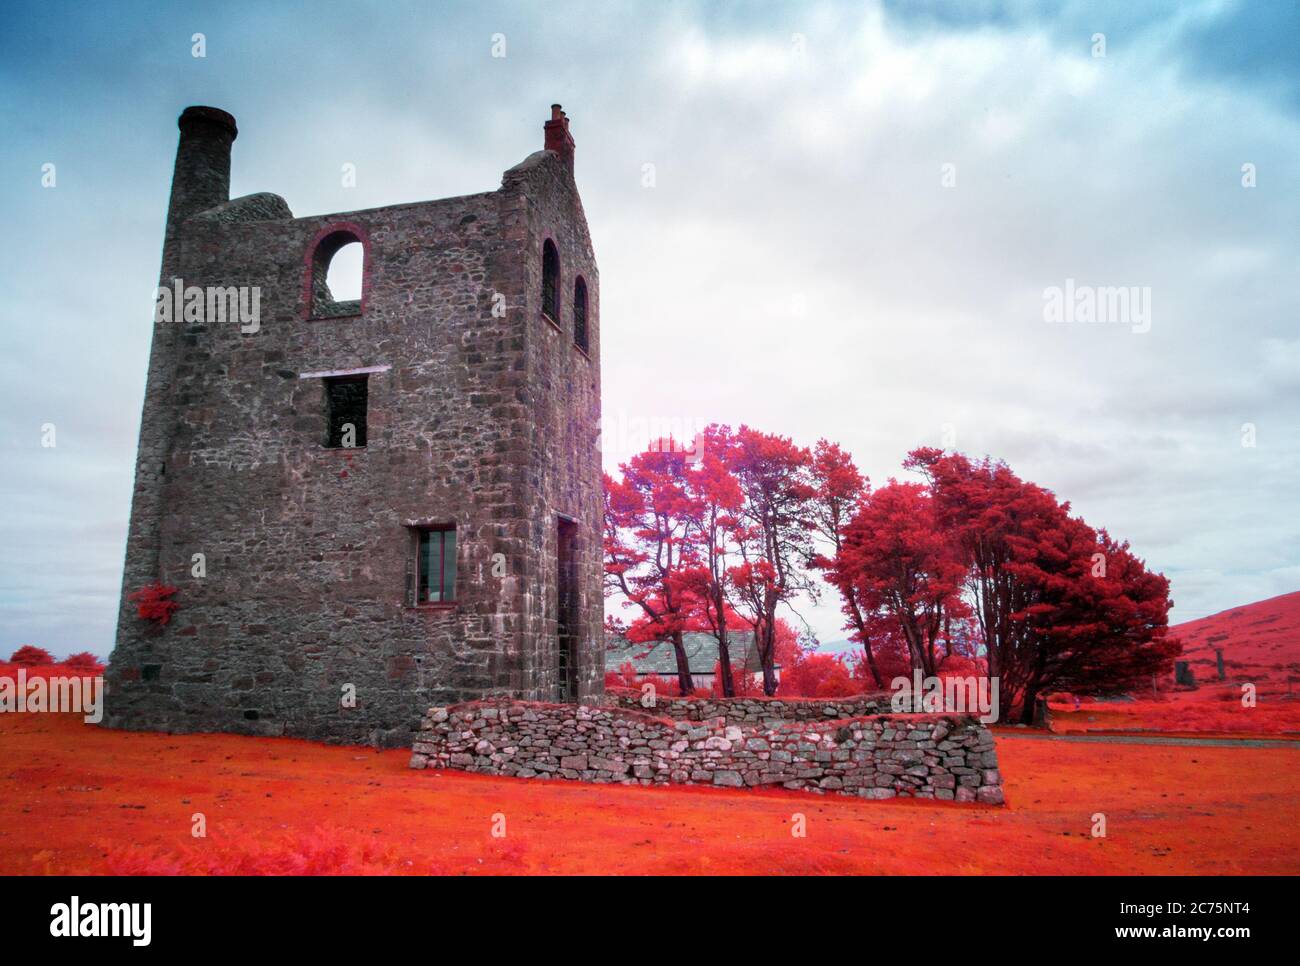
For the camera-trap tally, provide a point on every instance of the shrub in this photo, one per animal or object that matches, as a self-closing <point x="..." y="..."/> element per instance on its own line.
<point x="818" y="676"/>
<point x="85" y="662"/>
<point x="744" y="684"/>
<point x="661" y="685"/>
<point x="624" y="677"/>
<point x="29" y="656"/>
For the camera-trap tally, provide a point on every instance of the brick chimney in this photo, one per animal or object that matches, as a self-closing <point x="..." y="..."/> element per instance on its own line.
<point x="558" y="138"/>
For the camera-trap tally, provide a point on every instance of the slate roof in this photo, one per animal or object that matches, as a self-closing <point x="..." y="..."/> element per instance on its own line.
<point x="656" y="657"/>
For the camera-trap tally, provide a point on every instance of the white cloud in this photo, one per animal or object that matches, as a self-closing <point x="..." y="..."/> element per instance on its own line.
<point x="799" y="265"/>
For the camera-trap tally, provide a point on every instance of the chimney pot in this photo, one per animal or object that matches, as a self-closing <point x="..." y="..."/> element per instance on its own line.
<point x="208" y="115"/>
<point x="201" y="177"/>
<point x="558" y="138"/>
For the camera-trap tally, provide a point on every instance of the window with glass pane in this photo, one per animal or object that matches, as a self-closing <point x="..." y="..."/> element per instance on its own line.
<point x="437" y="562"/>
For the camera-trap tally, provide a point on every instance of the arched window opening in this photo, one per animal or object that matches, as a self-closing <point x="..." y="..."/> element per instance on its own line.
<point x="343" y="278"/>
<point x="580" y="314"/>
<point x="337" y="275"/>
<point x="551" y="281"/>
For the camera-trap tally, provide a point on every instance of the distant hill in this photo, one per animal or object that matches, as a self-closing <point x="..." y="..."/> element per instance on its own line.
<point x="1260" y="641"/>
<point x="841" y="646"/>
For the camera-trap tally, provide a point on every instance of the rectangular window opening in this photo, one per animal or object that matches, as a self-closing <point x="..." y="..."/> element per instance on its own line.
<point x="567" y="609"/>
<point x="436" y="565"/>
<point x="346" y="399"/>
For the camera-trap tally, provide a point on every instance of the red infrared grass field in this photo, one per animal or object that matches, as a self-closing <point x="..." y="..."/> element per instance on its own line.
<point x="75" y="798"/>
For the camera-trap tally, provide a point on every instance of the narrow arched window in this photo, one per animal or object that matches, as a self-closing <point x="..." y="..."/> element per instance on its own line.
<point x="551" y="281"/>
<point x="580" y="313"/>
<point x="337" y="275"/>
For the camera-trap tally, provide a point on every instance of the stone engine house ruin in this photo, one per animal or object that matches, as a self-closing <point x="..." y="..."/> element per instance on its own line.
<point x="367" y="507"/>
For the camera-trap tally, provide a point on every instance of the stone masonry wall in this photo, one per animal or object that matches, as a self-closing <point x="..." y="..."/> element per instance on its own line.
<point x="753" y="710"/>
<point x="938" y="756"/>
<point x="482" y="415"/>
<point x="562" y="398"/>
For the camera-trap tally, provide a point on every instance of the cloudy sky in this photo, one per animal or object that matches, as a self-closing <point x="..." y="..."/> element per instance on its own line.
<point x="819" y="219"/>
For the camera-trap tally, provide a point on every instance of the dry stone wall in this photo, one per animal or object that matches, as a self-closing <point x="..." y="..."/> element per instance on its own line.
<point x="938" y="756"/>
<point x="753" y="710"/>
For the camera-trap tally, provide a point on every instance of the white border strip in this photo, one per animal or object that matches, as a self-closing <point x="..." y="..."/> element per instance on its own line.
<point x="342" y="372"/>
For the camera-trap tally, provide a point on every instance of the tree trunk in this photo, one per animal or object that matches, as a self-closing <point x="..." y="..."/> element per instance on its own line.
<point x="684" y="682"/>
<point x="1037" y="682"/>
<point x="724" y="664"/>
<point x="1029" y="699"/>
<point x="871" y="662"/>
<point x="861" y="625"/>
<point x="917" y="649"/>
<point x="768" y="653"/>
<point x="724" y="641"/>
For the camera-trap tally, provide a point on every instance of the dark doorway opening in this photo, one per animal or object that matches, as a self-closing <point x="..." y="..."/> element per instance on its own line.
<point x="567" y="616"/>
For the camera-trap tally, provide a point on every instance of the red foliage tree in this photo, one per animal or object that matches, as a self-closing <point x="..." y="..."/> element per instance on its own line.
<point x="839" y="490"/>
<point x="1102" y="628"/>
<point x="30" y="656"/>
<point x="152" y="603"/>
<point x="790" y="647"/>
<point x="717" y="503"/>
<point x="648" y="519"/>
<point x="775" y="542"/>
<point x="1057" y="603"/>
<point x="85" y="662"/>
<point x="900" y="561"/>
<point x="890" y="649"/>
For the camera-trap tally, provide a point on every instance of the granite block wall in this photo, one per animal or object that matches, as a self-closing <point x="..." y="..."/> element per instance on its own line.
<point x="936" y="756"/>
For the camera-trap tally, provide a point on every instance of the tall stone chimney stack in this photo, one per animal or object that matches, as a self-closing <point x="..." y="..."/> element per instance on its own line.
<point x="201" y="178"/>
<point x="558" y="138"/>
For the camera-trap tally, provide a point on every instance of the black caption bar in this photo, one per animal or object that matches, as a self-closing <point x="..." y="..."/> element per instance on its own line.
<point x="293" y="916"/>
